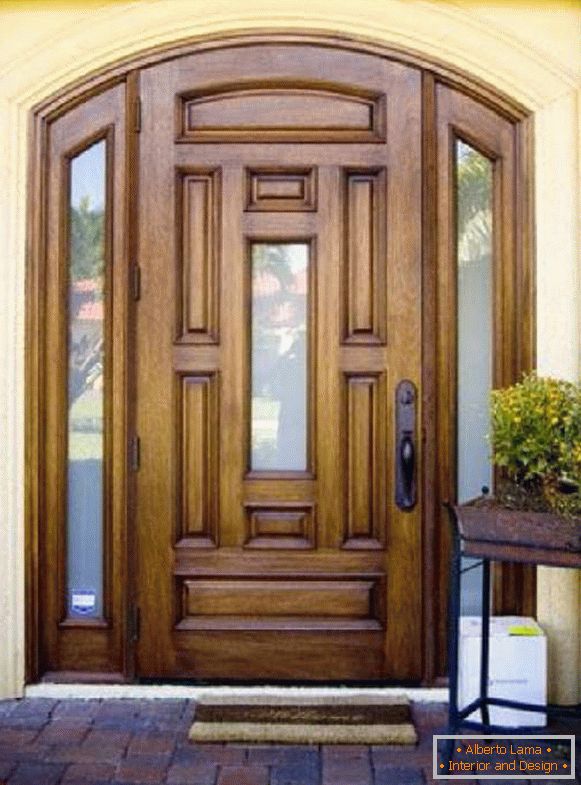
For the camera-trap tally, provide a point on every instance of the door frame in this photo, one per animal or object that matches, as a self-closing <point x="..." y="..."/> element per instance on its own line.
<point x="514" y="585"/>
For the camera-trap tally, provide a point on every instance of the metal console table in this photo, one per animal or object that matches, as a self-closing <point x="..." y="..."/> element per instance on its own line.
<point x="497" y="535"/>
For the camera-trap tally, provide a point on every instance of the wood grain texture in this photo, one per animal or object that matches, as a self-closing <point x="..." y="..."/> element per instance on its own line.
<point x="364" y="275"/>
<point x="366" y="465"/>
<point x="126" y="490"/>
<point x="281" y="190"/>
<point x="292" y="654"/>
<point x="459" y="116"/>
<point x="292" y="550"/>
<point x="283" y="525"/>
<point x="507" y="535"/>
<point x="280" y="111"/>
<point x="267" y="603"/>
<point x="199" y="460"/>
<point x="361" y="657"/>
<point x="432" y="619"/>
<point x="67" y="644"/>
<point x="198" y="281"/>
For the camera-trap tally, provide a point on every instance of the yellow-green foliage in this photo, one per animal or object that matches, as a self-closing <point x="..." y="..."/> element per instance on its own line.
<point x="536" y="437"/>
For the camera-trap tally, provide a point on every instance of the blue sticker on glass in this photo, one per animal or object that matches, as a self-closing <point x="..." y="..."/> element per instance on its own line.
<point x="83" y="602"/>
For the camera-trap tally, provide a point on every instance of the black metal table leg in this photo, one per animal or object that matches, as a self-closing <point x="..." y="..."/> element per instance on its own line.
<point x="477" y="537"/>
<point x="485" y="649"/>
<point x="453" y="646"/>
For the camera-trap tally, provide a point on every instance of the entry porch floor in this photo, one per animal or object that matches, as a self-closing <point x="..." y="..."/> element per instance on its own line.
<point x="141" y="742"/>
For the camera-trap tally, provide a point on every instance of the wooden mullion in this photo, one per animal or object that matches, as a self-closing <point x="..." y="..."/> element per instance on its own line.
<point x="432" y="514"/>
<point x="129" y="600"/>
<point x="35" y="288"/>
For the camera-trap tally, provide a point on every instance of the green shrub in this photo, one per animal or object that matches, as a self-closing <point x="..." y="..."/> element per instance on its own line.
<point x="536" y="439"/>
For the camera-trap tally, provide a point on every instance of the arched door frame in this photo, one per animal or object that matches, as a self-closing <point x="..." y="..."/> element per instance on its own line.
<point x="437" y="485"/>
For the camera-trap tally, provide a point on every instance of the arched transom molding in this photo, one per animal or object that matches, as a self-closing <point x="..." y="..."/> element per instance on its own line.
<point x="50" y="47"/>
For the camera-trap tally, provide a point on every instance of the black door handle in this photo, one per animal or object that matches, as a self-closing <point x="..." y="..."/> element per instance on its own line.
<point x="405" y="457"/>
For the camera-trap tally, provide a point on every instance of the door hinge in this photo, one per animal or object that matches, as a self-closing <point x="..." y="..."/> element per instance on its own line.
<point x="134" y="624"/>
<point x="134" y="453"/>
<point x="137" y="116"/>
<point x="136" y="281"/>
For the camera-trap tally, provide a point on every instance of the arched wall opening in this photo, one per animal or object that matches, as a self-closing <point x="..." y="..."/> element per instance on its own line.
<point x="441" y="34"/>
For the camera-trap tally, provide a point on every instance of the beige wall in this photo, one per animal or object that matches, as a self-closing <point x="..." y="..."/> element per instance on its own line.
<point x="528" y="50"/>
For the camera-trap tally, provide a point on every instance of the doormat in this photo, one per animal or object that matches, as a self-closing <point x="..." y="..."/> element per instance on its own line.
<point x="328" y="720"/>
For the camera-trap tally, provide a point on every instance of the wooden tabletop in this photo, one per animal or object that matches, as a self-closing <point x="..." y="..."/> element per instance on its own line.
<point x="530" y="537"/>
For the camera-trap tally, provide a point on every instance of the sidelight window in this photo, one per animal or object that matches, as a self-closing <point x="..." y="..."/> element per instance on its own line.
<point x="474" y="334"/>
<point x="87" y="295"/>
<point x="474" y="282"/>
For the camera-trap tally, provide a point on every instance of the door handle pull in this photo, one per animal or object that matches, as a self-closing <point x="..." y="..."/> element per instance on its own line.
<point x="407" y="458"/>
<point x="405" y="485"/>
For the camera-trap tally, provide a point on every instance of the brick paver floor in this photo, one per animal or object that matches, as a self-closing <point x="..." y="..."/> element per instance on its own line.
<point x="137" y="742"/>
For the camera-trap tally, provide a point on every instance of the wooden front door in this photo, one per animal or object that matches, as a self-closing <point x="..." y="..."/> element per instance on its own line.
<point x="280" y="253"/>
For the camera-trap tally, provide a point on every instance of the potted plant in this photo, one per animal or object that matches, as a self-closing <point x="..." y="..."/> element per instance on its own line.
<point x="535" y="438"/>
<point x="536" y="444"/>
<point x="536" y="441"/>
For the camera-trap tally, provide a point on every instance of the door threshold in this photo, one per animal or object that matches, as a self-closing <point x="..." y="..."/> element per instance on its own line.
<point x="104" y="691"/>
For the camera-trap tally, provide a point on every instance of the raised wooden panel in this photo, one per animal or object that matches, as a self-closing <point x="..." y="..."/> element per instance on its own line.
<point x="198" y="279"/>
<point x="365" y="435"/>
<point x="282" y="113"/>
<point x="281" y="190"/>
<point x="364" y="262"/>
<point x="280" y="525"/>
<point x="239" y="603"/>
<point x="327" y="562"/>
<point x="198" y="475"/>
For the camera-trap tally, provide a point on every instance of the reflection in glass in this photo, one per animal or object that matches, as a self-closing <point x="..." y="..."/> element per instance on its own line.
<point x="278" y="434"/>
<point x="86" y="339"/>
<point x="474" y="270"/>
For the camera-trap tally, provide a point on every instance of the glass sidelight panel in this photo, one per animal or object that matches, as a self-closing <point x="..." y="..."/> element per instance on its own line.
<point x="86" y="382"/>
<point x="279" y="318"/>
<point x="475" y="330"/>
<point x="474" y="244"/>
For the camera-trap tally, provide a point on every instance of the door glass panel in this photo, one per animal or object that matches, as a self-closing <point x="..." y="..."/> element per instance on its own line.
<point x="86" y="360"/>
<point x="474" y="277"/>
<point x="278" y="430"/>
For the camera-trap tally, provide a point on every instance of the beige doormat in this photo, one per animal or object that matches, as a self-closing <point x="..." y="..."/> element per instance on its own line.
<point x="308" y="720"/>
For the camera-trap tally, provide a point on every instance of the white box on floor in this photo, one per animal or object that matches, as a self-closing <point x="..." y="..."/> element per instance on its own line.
<point x="517" y="670"/>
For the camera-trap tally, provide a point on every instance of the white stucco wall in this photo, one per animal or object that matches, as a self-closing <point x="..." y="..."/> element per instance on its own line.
<point x="527" y="50"/>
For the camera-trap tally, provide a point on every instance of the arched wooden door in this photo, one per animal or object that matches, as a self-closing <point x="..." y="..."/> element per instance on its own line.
<point x="280" y="253"/>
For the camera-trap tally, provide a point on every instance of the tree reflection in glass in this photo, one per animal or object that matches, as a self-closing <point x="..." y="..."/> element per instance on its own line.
<point x="279" y="357"/>
<point x="474" y="176"/>
<point x="474" y="265"/>
<point x="86" y="339"/>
